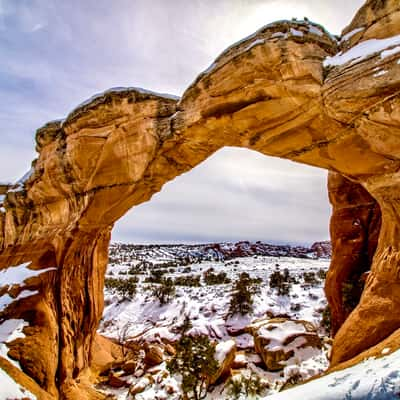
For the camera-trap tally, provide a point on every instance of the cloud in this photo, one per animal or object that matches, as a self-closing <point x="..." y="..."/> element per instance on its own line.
<point x="57" y="54"/>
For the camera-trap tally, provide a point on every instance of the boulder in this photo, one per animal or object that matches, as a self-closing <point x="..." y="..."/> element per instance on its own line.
<point x="116" y="381"/>
<point x="282" y="341"/>
<point x="225" y="355"/>
<point x="154" y="354"/>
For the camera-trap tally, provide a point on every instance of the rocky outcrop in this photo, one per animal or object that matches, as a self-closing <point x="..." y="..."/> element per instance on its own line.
<point x="322" y="249"/>
<point x="225" y="353"/>
<point x="278" y="340"/>
<point x="355" y="226"/>
<point x="282" y="92"/>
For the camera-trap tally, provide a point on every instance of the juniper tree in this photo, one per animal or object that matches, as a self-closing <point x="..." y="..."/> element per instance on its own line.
<point x="242" y="295"/>
<point x="195" y="362"/>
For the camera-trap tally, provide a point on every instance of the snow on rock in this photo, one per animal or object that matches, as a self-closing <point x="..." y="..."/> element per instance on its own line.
<point x="388" y="53"/>
<point x="10" y="330"/>
<point x="18" y="274"/>
<point x="255" y="43"/>
<point x="9" y="389"/>
<point x="374" y="379"/>
<point x="361" y="51"/>
<point x="121" y="90"/>
<point x="315" y="30"/>
<point x="6" y="299"/>
<point x="380" y="73"/>
<point x="223" y="349"/>
<point x="350" y="34"/>
<point x="296" y="32"/>
<point x="283" y="342"/>
<point x="20" y="184"/>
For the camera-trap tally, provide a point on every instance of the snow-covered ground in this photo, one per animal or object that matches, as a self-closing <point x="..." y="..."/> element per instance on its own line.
<point x="142" y="318"/>
<point x="373" y="379"/>
<point x="207" y="305"/>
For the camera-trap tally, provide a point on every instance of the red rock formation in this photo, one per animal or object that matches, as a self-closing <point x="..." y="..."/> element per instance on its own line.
<point x="355" y="226"/>
<point x="270" y="92"/>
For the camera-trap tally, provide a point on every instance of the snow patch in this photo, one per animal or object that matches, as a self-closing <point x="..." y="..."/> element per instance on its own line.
<point x="11" y="390"/>
<point x="16" y="275"/>
<point x="6" y="299"/>
<point x="371" y="379"/>
<point x="10" y="330"/>
<point x="388" y="53"/>
<point x="380" y="73"/>
<point x="349" y="35"/>
<point x="255" y="43"/>
<point x="296" y="32"/>
<point x="223" y="349"/>
<point x="361" y="51"/>
<point x="120" y="89"/>
<point x="20" y="184"/>
<point x="316" y="31"/>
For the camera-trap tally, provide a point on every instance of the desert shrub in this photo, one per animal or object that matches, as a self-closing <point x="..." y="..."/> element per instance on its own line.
<point x="156" y="276"/>
<point x="211" y="278"/>
<point x="249" y="385"/>
<point x="351" y="293"/>
<point x="243" y="292"/>
<point x="321" y="274"/>
<point x="311" y="278"/>
<point x="195" y="362"/>
<point x="326" y="319"/>
<point x="295" y="307"/>
<point x="164" y="291"/>
<point x="282" y="281"/>
<point x="293" y="380"/>
<point x="188" y="280"/>
<point x="124" y="287"/>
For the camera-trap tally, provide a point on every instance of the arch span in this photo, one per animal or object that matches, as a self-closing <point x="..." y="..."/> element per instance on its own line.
<point x="274" y="92"/>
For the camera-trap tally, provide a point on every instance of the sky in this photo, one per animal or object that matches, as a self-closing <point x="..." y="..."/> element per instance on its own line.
<point x="55" y="54"/>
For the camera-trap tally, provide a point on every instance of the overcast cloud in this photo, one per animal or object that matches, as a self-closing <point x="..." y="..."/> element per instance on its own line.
<point x="55" y="54"/>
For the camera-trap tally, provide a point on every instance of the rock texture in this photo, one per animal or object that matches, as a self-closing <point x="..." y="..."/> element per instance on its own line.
<point x="277" y="340"/>
<point x="355" y="226"/>
<point x="274" y="92"/>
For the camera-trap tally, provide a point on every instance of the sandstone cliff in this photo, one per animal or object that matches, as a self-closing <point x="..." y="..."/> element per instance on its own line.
<point x="282" y="92"/>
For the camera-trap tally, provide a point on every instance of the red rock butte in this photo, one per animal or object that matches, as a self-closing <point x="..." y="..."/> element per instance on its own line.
<point x="290" y="90"/>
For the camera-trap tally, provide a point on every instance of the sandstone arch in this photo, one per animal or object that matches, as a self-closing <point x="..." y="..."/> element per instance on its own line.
<point x="270" y="93"/>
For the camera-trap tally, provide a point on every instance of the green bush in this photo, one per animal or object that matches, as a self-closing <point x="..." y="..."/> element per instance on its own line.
<point x="156" y="276"/>
<point x="164" y="291"/>
<point x="242" y="295"/>
<point x="351" y="293"/>
<point x="249" y="385"/>
<point x="326" y="319"/>
<point x="195" y="362"/>
<point x="282" y="281"/>
<point x="188" y="280"/>
<point x="124" y="287"/>
<point x="311" y="278"/>
<point x="211" y="278"/>
<point x="321" y="274"/>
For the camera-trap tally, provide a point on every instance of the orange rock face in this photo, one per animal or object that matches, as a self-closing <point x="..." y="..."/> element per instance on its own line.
<point x="274" y="92"/>
<point x="355" y="226"/>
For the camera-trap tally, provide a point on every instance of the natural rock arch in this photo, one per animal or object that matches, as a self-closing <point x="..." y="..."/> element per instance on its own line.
<point x="270" y="93"/>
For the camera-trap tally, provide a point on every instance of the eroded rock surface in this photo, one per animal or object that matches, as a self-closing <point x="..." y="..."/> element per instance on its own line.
<point x="277" y="340"/>
<point x="282" y="92"/>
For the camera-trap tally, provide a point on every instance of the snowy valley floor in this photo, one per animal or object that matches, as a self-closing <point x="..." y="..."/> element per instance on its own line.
<point x="143" y="319"/>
